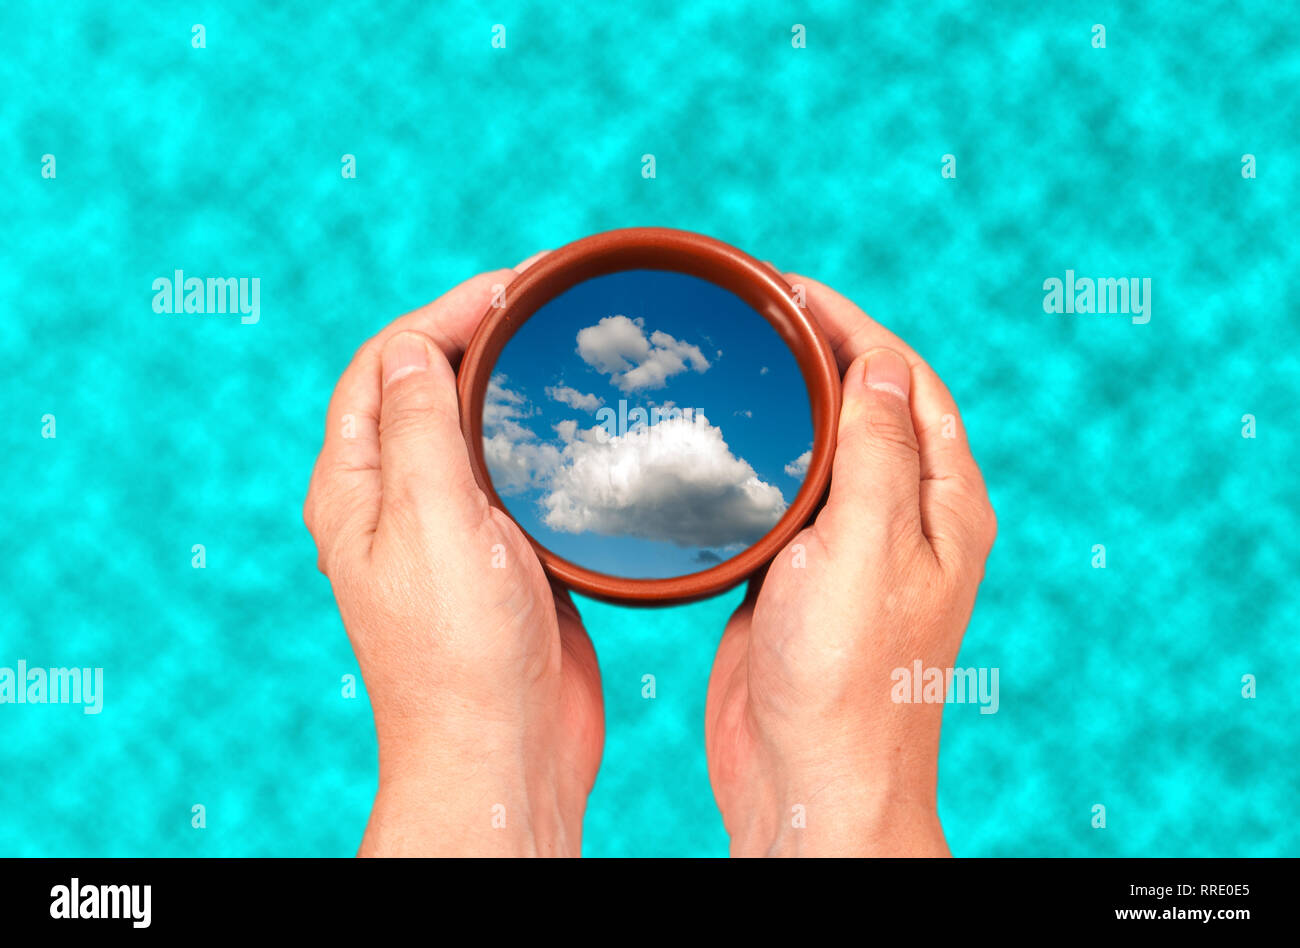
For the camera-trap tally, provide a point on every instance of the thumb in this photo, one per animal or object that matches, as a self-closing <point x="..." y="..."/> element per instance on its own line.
<point x="422" y="457"/>
<point x="877" y="468"/>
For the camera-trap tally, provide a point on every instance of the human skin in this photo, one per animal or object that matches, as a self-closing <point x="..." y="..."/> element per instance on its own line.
<point x="808" y="753"/>
<point x="483" y="683"/>
<point x="484" y="686"/>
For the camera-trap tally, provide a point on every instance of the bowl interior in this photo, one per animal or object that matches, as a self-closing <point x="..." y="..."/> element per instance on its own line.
<point x="758" y="286"/>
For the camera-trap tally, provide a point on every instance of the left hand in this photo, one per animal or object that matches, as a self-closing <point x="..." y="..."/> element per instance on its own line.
<point x="484" y="686"/>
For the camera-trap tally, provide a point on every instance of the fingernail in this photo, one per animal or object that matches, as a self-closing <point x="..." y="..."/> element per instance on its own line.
<point x="887" y="371"/>
<point x="403" y="354"/>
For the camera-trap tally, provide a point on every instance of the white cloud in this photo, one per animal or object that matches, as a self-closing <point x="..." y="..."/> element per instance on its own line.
<point x="618" y="347"/>
<point x="613" y="344"/>
<point x="799" y="466"/>
<point x="501" y="404"/>
<point x="566" y="395"/>
<point x="675" y="481"/>
<point x="567" y="430"/>
<point x="516" y="460"/>
<point x="516" y="465"/>
<point x="764" y="370"/>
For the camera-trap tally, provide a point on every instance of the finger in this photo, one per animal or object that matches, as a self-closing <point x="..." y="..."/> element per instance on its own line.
<point x="564" y="604"/>
<point x="451" y="319"/>
<point x="342" y="505"/>
<point x="524" y="264"/>
<point x="875" y="478"/>
<point x="955" y="510"/>
<point x="424" y="464"/>
<point x="343" y="501"/>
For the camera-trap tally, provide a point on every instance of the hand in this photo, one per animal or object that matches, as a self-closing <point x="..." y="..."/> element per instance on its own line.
<point x="484" y="686"/>
<point x="799" y="711"/>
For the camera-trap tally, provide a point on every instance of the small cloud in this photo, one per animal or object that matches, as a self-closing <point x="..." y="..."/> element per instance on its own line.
<point x="707" y="556"/>
<point x="799" y="466"/>
<point x="746" y="413"/>
<point x="502" y="404"/>
<point x="618" y="347"/>
<point x="567" y="430"/>
<point x="567" y="395"/>
<point x="764" y="370"/>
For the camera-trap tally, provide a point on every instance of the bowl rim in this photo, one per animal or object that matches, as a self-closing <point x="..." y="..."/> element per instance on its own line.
<point x="660" y="248"/>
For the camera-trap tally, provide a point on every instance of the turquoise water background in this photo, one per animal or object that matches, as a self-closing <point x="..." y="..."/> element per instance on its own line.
<point x="1119" y="686"/>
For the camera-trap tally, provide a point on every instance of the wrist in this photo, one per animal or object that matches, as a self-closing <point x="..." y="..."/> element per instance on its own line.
<point x="843" y="814"/>
<point x="478" y="798"/>
<point x="807" y="789"/>
<point x="478" y="818"/>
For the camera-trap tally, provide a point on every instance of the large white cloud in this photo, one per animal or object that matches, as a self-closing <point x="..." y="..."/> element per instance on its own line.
<point x="676" y="481"/>
<point x="618" y="347"/>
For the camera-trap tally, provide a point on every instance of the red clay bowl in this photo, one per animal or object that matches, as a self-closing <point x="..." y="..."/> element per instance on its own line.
<point x="658" y="248"/>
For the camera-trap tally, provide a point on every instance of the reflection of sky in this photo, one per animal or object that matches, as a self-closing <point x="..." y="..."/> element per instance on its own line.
<point x="752" y="390"/>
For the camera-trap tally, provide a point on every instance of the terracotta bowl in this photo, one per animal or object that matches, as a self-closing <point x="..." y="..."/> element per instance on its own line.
<point x="657" y="248"/>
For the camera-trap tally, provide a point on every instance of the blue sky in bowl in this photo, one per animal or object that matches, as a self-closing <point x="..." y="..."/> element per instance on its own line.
<point x="656" y="495"/>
